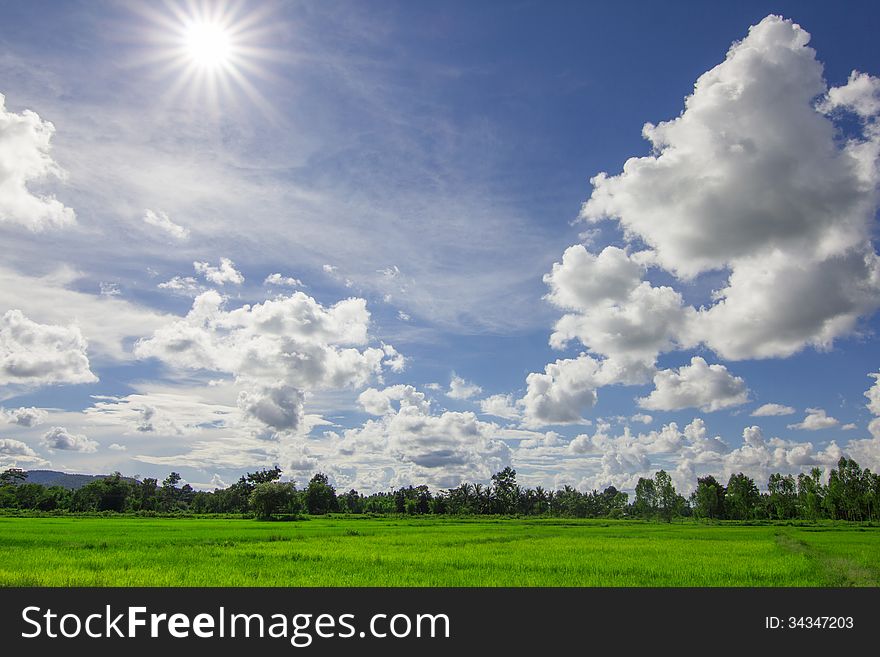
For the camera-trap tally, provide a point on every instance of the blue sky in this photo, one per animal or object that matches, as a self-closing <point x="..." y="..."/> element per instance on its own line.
<point x="414" y="175"/>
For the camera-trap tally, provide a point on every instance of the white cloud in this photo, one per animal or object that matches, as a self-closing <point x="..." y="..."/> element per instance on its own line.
<point x="618" y="315"/>
<point x="583" y="280"/>
<point x="769" y="172"/>
<point x="698" y="385"/>
<point x="603" y="458"/>
<point x="14" y="453"/>
<point x="278" y="406"/>
<point x="815" y="420"/>
<point x="750" y="177"/>
<point x="861" y="94"/>
<point x="174" y="411"/>
<point x="161" y="221"/>
<point x="379" y="402"/>
<point x="442" y="450"/>
<point x="402" y="316"/>
<point x="461" y="389"/>
<point x="770" y="410"/>
<point x="39" y="354"/>
<point x="116" y="447"/>
<point x="502" y="406"/>
<point x="24" y="158"/>
<point x="275" y="350"/>
<point x="775" y="305"/>
<point x="642" y="417"/>
<point x="183" y="285"/>
<point x="107" y="322"/>
<point x="61" y="438"/>
<point x="562" y="393"/>
<point x="873" y="395"/>
<point x="285" y="281"/>
<point x="107" y="289"/>
<point x="220" y="275"/>
<point x="24" y="416"/>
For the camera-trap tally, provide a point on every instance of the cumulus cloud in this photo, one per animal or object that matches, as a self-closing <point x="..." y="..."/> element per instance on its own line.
<point x="25" y="158"/>
<point x="182" y="285"/>
<point x="61" y="438"/>
<point x="108" y="322"/>
<point x="285" y="281"/>
<point x="617" y="314"/>
<point x="776" y="305"/>
<point x="601" y="459"/>
<point x="29" y="416"/>
<point x="443" y="449"/>
<point x="275" y="350"/>
<point x="860" y="94"/>
<point x="644" y="418"/>
<point x="698" y="385"/>
<point x="220" y="275"/>
<point x="461" y="389"/>
<point x="873" y="395"/>
<point x="502" y="406"/>
<point x="278" y="406"/>
<point x="15" y="453"/>
<point x="751" y="181"/>
<point x="815" y="420"/>
<point x="770" y="410"/>
<point x="39" y="354"/>
<point x="563" y="392"/>
<point x="381" y="402"/>
<point x="160" y="220"/>
<point x="769" y="171"/>
<point x="750" y="177"/>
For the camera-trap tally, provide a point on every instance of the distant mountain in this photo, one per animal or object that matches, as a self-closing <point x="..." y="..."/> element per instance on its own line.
<point x="52" y="478"/>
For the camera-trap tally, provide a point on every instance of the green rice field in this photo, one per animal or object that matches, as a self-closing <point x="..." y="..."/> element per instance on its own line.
<point x="333" y="551"/>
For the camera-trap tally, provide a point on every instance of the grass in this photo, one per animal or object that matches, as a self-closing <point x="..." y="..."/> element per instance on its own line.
<point x="70" y="551"/>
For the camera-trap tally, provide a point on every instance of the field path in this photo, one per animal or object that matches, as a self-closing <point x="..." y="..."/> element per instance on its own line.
<point x="838" y="570"/>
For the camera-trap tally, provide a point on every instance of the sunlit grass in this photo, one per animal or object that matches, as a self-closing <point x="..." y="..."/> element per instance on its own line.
<point x="429" y="552"/>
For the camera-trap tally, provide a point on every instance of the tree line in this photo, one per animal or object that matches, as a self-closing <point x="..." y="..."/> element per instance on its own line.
<point x="851" y="493"/>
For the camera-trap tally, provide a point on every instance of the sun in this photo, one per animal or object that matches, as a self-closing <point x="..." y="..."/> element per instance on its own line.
<point x="215" y="54"/>
<point x="208" y="44"/>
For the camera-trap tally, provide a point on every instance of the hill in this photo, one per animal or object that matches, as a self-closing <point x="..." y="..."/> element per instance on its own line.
<point x="53" y="478"/>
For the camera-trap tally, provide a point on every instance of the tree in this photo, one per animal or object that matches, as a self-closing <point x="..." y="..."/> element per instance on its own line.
<point x="170" y="491"/>
<point x="709" y="498"/>
<point x="113" y="491"/>
<point x="742" y="497"/>
<point x="271" y="497"/>
<point x="12" y="476"/>
<point x="148" y="494"/>
<point x="352" y="502"/>
<point x="645" y="503"/>
<point x="506" y="490"/>
<point x="782" y="496"/>
<point x="320" y="495"/>
<point x="669" y="502"/>
<point x="811" y="494"/>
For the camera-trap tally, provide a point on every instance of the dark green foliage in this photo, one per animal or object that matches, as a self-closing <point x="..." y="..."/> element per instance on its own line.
<point x="272" y="497"/>
<point x="850" y="494"/>
<point x="321" y="496"/>
<point x="708" y="498"/>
